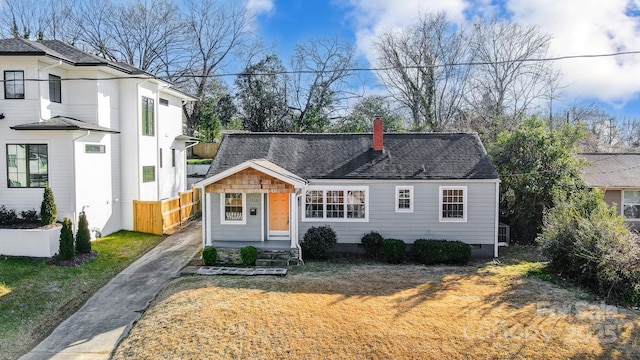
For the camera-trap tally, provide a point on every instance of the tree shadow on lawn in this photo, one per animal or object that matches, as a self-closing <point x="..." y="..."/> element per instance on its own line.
<point x="497" y="306"/>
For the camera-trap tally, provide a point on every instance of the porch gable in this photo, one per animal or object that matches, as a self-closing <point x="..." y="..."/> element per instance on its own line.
<point x="250" y="180"/>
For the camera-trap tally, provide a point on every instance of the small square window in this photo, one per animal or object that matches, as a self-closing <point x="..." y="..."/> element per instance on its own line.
<point x="148" y="174"/>
<point x="404" y="198"/>
<point x="164" y="102"/>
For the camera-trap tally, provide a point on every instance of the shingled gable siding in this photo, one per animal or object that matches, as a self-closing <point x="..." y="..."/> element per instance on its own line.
<point x="423" y="222"/>
<point x="249" y="181"/>
<point x="251" y="231"/>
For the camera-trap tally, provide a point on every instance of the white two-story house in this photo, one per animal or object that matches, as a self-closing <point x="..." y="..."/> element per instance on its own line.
<point x="101" y="134"/>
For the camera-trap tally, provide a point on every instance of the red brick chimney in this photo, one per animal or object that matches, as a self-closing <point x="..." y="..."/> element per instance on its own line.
<point x="377" y="134"/>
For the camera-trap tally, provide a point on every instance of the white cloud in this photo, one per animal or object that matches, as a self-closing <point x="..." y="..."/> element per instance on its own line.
<point x="576" y="26"/>
<point x="589" y="27"/>
<point x="260" y="6"/>
<point x="373" y="18"/>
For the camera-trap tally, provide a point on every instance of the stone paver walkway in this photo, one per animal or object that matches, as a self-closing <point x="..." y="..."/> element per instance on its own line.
<point x="222" y="270"/>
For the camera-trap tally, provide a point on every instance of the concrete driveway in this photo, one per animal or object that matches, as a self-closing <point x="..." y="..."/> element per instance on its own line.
<point x="95" y="330"/>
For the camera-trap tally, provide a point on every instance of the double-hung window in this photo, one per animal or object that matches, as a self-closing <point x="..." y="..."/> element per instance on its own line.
<point x="336" y="204"/>
<point x="55" y="89"/>
<point x="148" y="121"/>
<point x="233" y="209"/>
<point x="14" y="84"/>
<point x="27" y="165"/>
<point x="631" y="204"/>
<point x="453" y="203"/>
<point x="404" y="198"/>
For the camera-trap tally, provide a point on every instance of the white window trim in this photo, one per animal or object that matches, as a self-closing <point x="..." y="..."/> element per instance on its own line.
<point x="324" y="190"/>
<point x="244" y="211"/>
<point x="397" y="199"/>
<point x="465" y="204"/>
<point x="625" y="203"/>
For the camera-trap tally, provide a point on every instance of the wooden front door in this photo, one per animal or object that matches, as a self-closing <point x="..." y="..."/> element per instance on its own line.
<point x="279" y="214"/>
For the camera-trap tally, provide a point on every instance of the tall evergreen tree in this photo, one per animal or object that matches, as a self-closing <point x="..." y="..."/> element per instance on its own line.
<point x="48" y="210"/>
<point x="83" y="236"/>
<point x="67" y="250"/>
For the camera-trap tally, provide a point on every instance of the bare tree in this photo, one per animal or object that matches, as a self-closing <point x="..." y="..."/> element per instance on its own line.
<point x="35" y="19"/>
<point x="320" y="69"/>
<point x="423" y="68"/>
<point x="214" y="31"/>
<point x="512" y="77"/>
<point x="145" y="34"/>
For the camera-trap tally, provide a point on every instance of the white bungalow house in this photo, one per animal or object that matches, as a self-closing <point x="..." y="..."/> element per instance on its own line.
<point x="101" y="134"/>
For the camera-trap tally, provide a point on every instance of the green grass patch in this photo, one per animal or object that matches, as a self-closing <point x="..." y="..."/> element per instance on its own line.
<point x="199" y="161"/>
<point x="36" y="297"/>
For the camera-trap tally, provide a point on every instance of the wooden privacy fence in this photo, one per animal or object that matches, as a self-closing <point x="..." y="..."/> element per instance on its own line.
<point x="206" y="150"/>
<point x="159" y="217"/>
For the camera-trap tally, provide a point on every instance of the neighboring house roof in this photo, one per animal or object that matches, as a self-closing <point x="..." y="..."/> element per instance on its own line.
<point x="69" y="54"/>
<point x="63" y="123"/>
<point x="612" y="170"/>
<point x="407" y="156"/>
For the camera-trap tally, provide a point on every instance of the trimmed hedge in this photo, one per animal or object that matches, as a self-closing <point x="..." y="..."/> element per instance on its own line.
<point x="209" y="255"/>
<point x="317" y="240"/>
<point x="372" y="242"/>
<point x="394" y="250"/>
<point x="442" y="252"/>
<point x="248" y="254"/>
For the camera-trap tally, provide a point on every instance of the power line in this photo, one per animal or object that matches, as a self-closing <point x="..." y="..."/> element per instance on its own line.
<point x="361" y="69"/>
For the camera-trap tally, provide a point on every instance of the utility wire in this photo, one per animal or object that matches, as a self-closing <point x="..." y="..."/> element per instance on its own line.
<point x="358" y="69"/>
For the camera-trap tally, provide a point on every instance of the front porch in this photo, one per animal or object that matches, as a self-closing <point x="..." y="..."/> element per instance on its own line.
<point x="260" y="245"/>
<point x="252" y="204"/>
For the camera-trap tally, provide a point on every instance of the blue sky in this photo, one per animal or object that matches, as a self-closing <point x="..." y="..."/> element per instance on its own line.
<point x="576" y="26"/>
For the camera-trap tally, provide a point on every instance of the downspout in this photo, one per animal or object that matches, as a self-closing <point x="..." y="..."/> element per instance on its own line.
<point x="298" y="200"/>
<point x="75" y="176"/>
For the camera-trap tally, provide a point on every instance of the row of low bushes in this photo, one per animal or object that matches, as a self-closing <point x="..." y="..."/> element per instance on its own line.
<point x="317" y="240"/>
<point x="427" y="251"/>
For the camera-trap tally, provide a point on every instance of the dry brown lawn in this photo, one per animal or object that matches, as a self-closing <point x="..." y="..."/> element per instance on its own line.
<point x="325" y="311"/>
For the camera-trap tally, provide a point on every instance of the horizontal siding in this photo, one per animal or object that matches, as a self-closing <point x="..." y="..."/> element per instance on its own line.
<point x="251" y="231"/>
<point x="423" y="222"/>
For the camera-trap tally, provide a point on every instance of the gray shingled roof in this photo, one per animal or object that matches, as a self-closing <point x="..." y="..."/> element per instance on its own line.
<point x="63" y="123"/>
<point x="612" y="170"/>
<point x="410" y="156"/>
<point x="61" y="51"/>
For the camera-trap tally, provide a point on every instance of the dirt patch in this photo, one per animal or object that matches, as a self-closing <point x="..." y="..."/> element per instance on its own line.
<point x="77" y="260"/>
<point x="380" y="312"/>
